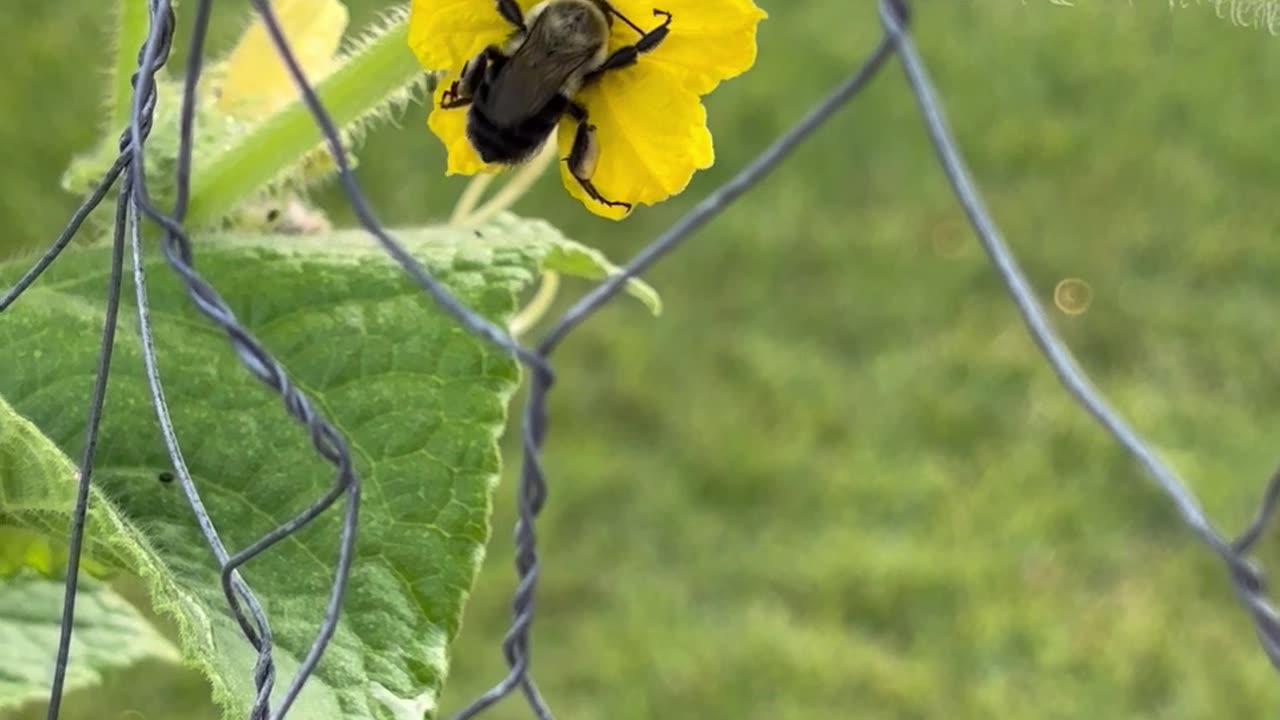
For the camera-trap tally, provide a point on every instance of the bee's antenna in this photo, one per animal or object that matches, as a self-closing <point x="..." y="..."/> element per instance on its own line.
<point x="614" y="12"/>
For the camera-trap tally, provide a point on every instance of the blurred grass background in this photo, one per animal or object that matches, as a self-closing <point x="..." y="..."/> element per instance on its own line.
<point x="835" y="479"/>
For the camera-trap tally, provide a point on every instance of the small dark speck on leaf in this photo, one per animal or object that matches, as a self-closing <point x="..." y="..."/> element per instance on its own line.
<point x="478" y="233"/>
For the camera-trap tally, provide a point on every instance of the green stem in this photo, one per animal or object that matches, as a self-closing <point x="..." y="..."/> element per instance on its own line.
<point x="470" y="198"/>
<point x="538" y="307"/>
<point x="131" y="32"/>
<point x="515" y="188"/>
<point x="380" y="70"/>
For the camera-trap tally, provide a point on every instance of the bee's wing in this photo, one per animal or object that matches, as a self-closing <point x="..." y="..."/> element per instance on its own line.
<point x="530" y="79"/>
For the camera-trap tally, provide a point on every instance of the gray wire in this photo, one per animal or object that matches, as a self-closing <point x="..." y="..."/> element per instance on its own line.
<point x="257" y="631"/>
<point x="532" y="489"/>
<point x="80" y="511"/>
<point x="68" y="233"/>
<point x="1246" y="579"/>
<point x="327" y="441"/>
<point x="144" y="101"/>
<point x="470" y="320"/>
<point x="135" y="203"/>
<point x="718" y="200"/>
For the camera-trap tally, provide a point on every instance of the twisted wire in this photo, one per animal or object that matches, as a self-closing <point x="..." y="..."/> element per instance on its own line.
<point x="467" y="318"/>
<point x="257" y="631"/>
<point x="329" y="444"/>
<point x="255" y="628"/>
<point x="1245" y="578"/>
<point x="79" y="512"/>
<point x="532" y="490"/>
<point x="135" y="203"/>
<point x="97" y="401"/>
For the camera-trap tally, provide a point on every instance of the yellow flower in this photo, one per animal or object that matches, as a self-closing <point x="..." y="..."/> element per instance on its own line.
<point x="650" y="122"/>
<point x="256" y="82"/>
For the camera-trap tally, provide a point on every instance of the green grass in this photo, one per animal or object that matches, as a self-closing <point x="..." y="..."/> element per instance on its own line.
<point x="835" y="479"/>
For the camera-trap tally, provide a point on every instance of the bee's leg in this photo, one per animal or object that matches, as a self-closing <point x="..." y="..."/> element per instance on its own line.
<point x="461" y="91"/>
<point x="453" y="98"/>
<point x="628" y="54"/>
<point x="511" y="12"/>
<point x="584" y="154"/>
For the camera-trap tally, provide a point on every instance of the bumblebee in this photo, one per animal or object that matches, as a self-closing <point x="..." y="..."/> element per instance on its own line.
<point x="516" y="94"/>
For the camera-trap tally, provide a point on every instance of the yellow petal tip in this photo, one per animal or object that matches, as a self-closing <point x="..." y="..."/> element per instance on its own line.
<point x="648" y="151"/>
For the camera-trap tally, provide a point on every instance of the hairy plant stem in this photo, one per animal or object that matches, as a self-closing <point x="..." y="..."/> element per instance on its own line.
<point x="366" y="81"/>
<point x="132" y="24"/>
<point x="466" y="213"/>
<point x="530" y="314"/>
<point x="519" y="184"/>
<point x="470" y="198"/>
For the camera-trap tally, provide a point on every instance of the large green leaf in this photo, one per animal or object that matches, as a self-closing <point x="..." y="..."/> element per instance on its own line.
<point x="36" y="490"/>
<point x="421" y="401"/>
<point x="109" y="634"/>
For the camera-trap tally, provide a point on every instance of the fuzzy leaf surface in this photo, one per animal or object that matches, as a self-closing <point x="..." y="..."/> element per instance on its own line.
<point x="421" y="402"/>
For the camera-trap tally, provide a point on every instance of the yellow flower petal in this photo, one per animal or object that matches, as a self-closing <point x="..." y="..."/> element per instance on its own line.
<point x="709" y="40"/>
<point x="256" y="82"/>
<point x="445" y="34"/>
<point x="451" y="127"/>
<point x="650" y="123"/>
<point x="651" y="131"/>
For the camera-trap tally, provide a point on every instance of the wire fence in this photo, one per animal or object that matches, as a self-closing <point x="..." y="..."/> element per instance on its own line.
<point x="134" y="204"/>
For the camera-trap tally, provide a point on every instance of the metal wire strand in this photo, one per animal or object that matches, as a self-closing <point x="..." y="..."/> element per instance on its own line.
<point x="69" y="232"/>
<point x="134" y="203"/>
<point x="533" y="488"/>
<point x="717" y="201"/>
<point x="1246" y="579"/>
<point x="152" y="56"/>
<point x="257" y="632"/>
<point x="1266" y="508"/>
<point x="255" y="627"/>
<point x="470" y="320"/>
<point x="327" y="441"/>
<point x="79" y="513"/>
<point x="144" y="101"/>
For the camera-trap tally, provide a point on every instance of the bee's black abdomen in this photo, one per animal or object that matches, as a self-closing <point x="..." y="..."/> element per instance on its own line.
<point x="516" y="143"/>
<point x="497" y="144"/>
